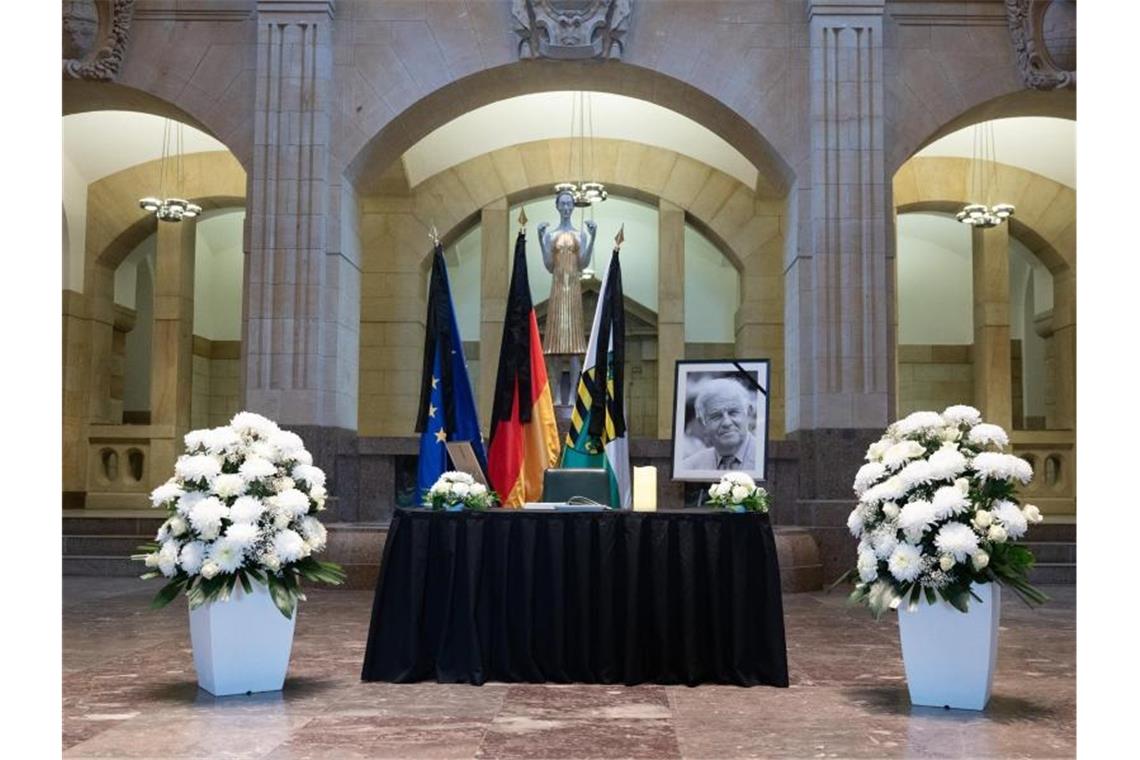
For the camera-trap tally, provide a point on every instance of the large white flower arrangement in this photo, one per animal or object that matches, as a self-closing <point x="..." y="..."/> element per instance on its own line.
<point x="738" y="492"/>
<point x="938" y="511"/>
<point x="241" y="509"/>
<point x="458" y="490"/>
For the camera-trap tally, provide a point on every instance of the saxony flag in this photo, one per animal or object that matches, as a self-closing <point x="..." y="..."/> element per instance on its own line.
<point x="524" y="436"/>
<point x="597" y="436"/>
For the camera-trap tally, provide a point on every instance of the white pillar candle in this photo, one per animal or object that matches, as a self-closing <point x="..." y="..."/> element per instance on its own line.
<point x="645" y="489"/>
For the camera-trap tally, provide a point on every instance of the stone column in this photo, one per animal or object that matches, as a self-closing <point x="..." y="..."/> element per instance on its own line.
<point x="993" y="393"/>
<point x="1065" y="350"/>
<point x="670" y="308"/>
<point x="497" y="260"/>
<point x="294" y="331"/>
<point x="838" y="295"/>
<point x="173" y="332"/>
<point x="172" y="344"/>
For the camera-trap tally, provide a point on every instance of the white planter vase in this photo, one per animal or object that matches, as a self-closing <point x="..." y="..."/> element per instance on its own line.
<point x="241" y="645"/>
<point x="950" y="655"/>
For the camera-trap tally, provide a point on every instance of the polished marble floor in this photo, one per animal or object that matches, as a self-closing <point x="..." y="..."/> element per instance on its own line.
<point x="129" y="692"/>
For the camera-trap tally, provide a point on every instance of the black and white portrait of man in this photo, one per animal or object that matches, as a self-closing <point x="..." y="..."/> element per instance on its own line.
<point x="720" y="419"/>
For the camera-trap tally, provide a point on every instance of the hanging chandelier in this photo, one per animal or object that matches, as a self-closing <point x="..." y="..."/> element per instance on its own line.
<point x="171" y="178"/>
<point x="983" y="212"/>
<point x="586" y="192"/>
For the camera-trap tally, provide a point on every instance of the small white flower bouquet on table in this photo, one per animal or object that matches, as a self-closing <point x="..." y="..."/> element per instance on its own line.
<point x="738" y="492"/>
<point x="937" y="522"/>
<point x="240" y="535"/>
<point x="457" y="491"/>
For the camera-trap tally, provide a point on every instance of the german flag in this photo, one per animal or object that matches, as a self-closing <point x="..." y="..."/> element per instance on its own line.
<point x="524" y="436"/>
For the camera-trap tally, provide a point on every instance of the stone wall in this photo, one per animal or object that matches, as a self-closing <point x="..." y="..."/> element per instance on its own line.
<point x="934" y="377"/>
<point x="216" y="393"/>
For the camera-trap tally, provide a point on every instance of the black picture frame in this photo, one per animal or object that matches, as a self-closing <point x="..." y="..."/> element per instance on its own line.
<point x="754" y="376"/>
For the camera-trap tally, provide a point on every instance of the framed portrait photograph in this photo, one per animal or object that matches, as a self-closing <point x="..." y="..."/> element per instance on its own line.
<point x="720" y="418"/>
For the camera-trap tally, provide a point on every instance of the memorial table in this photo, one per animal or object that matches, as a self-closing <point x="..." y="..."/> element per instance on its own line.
<point x="670" y="597"/>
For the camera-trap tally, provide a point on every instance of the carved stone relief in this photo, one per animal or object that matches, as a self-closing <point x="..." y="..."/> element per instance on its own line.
<point x="571" y="29"/>
<point x="1045" y="41"/>
<point x="95" y="36"/>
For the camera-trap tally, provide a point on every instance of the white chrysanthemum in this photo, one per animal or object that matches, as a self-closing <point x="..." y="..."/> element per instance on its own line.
<point x="916" y="473"/>
<point x="197" y="467"/>
<point x="918" y="423"/>
<point x="257" y="468"/>
<point x="459" y="490"/>
<point x="956" y="539"/>
<point x="991" y="465"/>
<point x="304" y="457"/>
<point x="1032" y="513"/>
<point x="891" y="510"/>
<point x="855" y="522"/>
<point x="905" y="562"/>
<point x="168" y="558"/>
<point x="250" y="423"/>
<point x="949" y="501"/>
<point x="243" y="534"/>
<point x="314" y="476"/>
<point x="226" y="486"/>
<point x="453" y="476"/>
<point x="891" y="489"/>
<point x="195" y="440"/>
<point x="896" y="455"/>
<point x="222" y="440"/>
<point x="479" y="489"/>
<point x="961" y="414"/>
<point x="740" y="492"/>
<point x="167" y="492"/>
<point x="288" y="546"/>
<point x="191" y="556"/>
<point x="293" y="501"/>
<point x="206" y="517"/>
<point x="283" y="484"/>
<point x="946" y="463"/>
<point x="263" y="450"/>
<point x="247" y="509"/>
<point x="188" y="501"/>
<point x="287" y="442"/>
<point x="867" y="475"/>
<point x="270" y="561"/>
<point x="314" y="533"/>
<point x="319" y="494"/>
<point x="915" y="519"/>
<point x="1012" y="518"/>
<point x="227" y="555"/>
<point x="876" y="450"/>
<point x="986" y="434"/>
<point x="884" y="539"/>
<point x="163" y="532"/>
<point x="868" y="566"/>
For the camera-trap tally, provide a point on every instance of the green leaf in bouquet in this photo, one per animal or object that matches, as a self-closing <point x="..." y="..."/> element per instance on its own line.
<point x="245" y="584"/>
<point x="931" y="596"/>
<point x="167" y="593"/>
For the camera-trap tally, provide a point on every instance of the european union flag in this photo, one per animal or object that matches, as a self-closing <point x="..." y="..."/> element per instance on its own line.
<point x="447" y="406"/>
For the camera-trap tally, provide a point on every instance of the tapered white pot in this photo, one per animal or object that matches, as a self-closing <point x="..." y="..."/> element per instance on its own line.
<point x="241" y="645"/>
<point x="950" y="655"/>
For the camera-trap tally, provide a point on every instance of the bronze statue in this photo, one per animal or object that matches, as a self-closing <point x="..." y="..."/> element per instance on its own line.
<point x="565" y="253"/>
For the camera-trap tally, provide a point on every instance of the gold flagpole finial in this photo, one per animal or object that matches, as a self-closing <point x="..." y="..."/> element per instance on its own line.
<point x="619" y="238"/>
<point x="522" y="217"/>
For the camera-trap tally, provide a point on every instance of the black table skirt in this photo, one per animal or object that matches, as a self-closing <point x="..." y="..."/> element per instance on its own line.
<point x="592" y="597"/>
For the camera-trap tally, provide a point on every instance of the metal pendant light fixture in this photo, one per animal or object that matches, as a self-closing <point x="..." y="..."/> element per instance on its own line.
<point x="167" y="206"/>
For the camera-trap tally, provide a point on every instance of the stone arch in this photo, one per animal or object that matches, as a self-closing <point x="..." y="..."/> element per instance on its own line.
<point x="927" y="101"/>
<point x="394" y="229"/>
<point x="1045" y="221"/>
<point x="1046" y="217"/>
<point x="392" y="138"/>
<point x="741" y="223"/>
